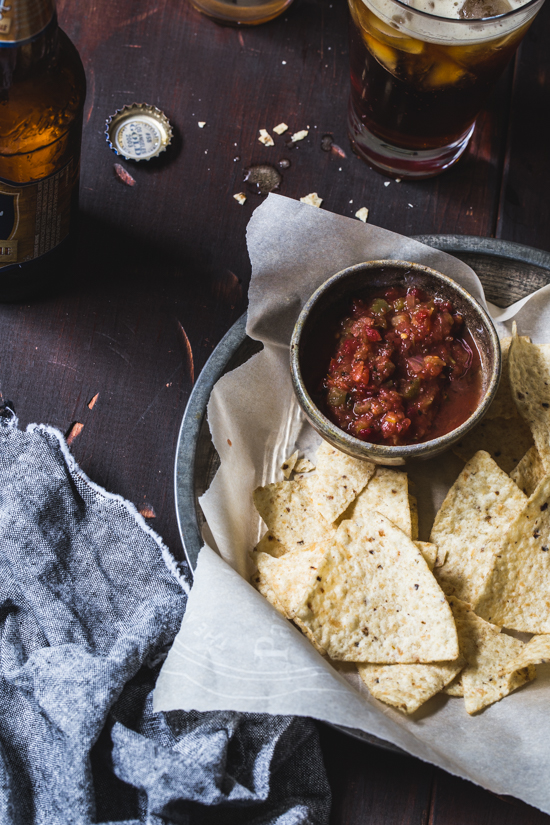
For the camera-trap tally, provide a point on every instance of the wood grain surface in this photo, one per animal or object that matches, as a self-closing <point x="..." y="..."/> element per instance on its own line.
<point x="162" y="269"/>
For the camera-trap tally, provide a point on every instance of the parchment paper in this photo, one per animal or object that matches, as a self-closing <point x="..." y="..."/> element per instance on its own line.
<point x="234" y="651"/>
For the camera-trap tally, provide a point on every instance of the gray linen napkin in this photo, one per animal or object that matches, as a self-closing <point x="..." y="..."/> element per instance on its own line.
<point x="90" y="601"/>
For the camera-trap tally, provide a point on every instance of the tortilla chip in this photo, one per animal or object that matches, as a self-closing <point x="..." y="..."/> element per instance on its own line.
<point x="413" y="505"/>
<point x="480" y="505"/>
<point x="529" y="472"/>
<point x="284" y="583"/>
<point x="388" y="493"/>
<point x="304" y="465"/>
<point x="407" y="687"/>
<point x="497" y="664"/>
<point x="289" y="577"/>
<point x="503" y="405"/>
<point x="530" y="381"/>
<point x="337" y="482"/>
<point x="288" y="465"/>
<point x="429" y="551"/>
<point x="270" y="545"/>
<point x="517" y="595"/>
<point x="375" y="600"/>
<point x="441" y="557"/>
<point x="535" y="652"/>
<point x="288" y="511"/>
<point x="455" y="688"/>
<point x="267" y="591"/>
<point x="505" y="439"/>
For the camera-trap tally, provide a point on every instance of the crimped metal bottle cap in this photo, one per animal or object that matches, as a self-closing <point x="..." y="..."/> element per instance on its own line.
<point x="138" y="132"/>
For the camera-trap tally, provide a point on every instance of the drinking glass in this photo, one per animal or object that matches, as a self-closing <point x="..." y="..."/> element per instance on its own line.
<point x="241" y="12"/>
<point x="419" y="80"/>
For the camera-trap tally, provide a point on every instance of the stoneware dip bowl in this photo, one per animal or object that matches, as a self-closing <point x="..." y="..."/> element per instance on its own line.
<point x="309" y="356"/>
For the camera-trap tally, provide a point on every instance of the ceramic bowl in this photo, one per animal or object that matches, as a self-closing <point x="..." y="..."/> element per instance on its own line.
<point x="330" y="302"/>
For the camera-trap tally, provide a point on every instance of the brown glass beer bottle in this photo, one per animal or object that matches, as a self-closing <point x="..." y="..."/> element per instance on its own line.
<point x="42" y="91"/>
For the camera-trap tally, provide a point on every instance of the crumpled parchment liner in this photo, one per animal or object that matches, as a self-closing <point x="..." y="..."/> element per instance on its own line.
<point x="234" y="651"/>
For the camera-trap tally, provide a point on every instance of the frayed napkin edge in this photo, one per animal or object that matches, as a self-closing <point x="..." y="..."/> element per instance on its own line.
<point x="167" y="556"/>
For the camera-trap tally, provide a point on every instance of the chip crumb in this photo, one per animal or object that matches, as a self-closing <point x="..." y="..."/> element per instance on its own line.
<point x="338" y="151"/>
<point x="202" y="124"/>
<point x="280" y="129"/>
<point x="387" y="182"/>
<point x="398" y="180"/>
<point x="240" y="197"/>
<point x="92" y="401"/>
<point x="147" y="511"/>
<point x="266" y="138"/>
<point x="362" y="214"/>
<point x="303" y="133"/>
<point x="304" y="465"/>
<point x="123" y="175"/>
<point x="288" y="465"/>
<point x="74" y="430"/>
<point x="312" y="199"/>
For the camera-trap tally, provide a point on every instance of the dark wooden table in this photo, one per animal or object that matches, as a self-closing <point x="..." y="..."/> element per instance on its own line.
<point x="162" y="268"/>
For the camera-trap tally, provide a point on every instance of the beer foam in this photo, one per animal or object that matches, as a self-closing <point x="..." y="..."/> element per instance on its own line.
<point x="466" y="9"/>
<point x="453" y="21"/>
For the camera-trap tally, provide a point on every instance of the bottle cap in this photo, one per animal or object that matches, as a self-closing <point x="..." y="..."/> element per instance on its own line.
<point x="138" y="132"/>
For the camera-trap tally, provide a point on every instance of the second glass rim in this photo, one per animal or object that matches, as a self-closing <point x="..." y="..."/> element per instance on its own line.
<point x="467" y="21"/>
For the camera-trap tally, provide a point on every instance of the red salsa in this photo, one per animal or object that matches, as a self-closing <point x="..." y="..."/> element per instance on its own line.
<point x="404" y="369"/>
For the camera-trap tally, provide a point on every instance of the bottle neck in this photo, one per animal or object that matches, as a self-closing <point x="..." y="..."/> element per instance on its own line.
<point x="28" y="37"/>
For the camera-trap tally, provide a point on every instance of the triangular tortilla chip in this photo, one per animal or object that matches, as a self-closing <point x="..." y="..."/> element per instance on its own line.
<point x="262" y="583"/>
<point x="503" y="405"/>
<point x="388" y="493"/>
<point x="517" y="595"/>
<point x="285" y="581"/>
<point x="530" y="381"/>
<point x="289" y="577"/>
<point x="288" y="511"/>
<point x="407" y="687"/>
<point x="505" y="439"/>
<point x="529" y="472"/>
<point x="497" y="664"/>
<point x="477" y="509"/>
<point x="535" y="652"/>
<point x="337" y="481"/>
<point x="375" y="600"/>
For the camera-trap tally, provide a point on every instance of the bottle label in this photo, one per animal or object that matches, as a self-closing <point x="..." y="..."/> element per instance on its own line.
<point x="35" y="217"/>
<point x="21" y="20"/>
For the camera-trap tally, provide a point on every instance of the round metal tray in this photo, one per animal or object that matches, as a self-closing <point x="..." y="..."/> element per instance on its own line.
<point x="508" y="272"/>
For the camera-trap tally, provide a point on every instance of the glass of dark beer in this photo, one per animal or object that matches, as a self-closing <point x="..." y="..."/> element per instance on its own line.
<point x="421" y="74"/>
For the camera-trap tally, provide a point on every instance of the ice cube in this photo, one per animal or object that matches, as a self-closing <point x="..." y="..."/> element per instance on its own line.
<point x="474" y="9"/>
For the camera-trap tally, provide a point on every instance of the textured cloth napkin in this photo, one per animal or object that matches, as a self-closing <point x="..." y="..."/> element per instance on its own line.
<point x="90" y="601"/>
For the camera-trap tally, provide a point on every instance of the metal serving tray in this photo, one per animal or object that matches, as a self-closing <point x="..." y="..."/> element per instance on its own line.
<point x="508" y="272"/>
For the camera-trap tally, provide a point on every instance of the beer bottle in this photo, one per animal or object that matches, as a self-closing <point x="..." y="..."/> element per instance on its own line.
<point x="42" y="91"/>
